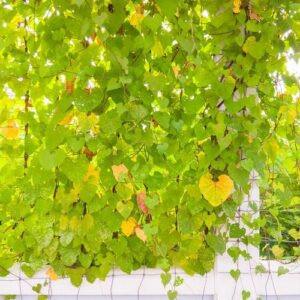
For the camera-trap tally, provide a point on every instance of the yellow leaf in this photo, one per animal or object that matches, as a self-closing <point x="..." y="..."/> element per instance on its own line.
<point x="63" y="222"/>
<point x="51" y="274"/>
<point x="277" y="251"/>
<point x="119" y="171"/>
<point x="11" y="130"/>
<point x="291" y="116"/>
<point x="157" y="50"/>
<point x="92" y="175"/>
<point x="74" y="223"/>
<point x="75" y="191"/>
<point x="176" y="69"/>
<point x="295" y="234"/>
<point x="140" y="234"/>
<point x="15" y="21"/>
<point x="215" y="192"/>
<point x="128" y="226"/>
<point x="138" y="16"/>
<point x="237" y="6"/>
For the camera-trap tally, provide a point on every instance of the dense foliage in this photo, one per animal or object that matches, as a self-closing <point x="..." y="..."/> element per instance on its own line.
<point x="111" y="111"/>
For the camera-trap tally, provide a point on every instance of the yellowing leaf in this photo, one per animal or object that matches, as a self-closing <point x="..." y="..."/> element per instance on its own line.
<point x="75" y="191"/>
<point x="176" y="69"/>
<point x="11" y="130"/>
<point x="277" y="251"/>
<point x="125" y="190"/>
<point x="63" y="222"/>
<point x="295" y="234"/>
<point x="157" y="50"/>
<point x="291" y="116"/>
<point x="74" y="223"/>
<point x="128" y="226"/>
<point x="254" y="16"/>
<point x="92" y="175"/>
<point x="119" y="172"/>
<point x="138" y="16"/>
<point x="51" y="274"/>
<point x="67" y="119"/>
<point x="69" y="86"/>
<point x="237" y="6"/>
<point x="93" y="120"/>
<point x="215" y="192"/>
<point x="271" y="147"/>
<point x="140" y="234"/>
<point x="15" y="21"/>
<point x="87" y="222"/>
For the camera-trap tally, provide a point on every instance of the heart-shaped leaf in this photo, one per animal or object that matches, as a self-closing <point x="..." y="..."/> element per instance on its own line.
<point x="124" y="209"/>
<point x="128" y="226"/>
<point x="246" y="294"/>
<point x="235" y="274"/>
<point x="165" y="278"/>
<point x="215" y="192"/>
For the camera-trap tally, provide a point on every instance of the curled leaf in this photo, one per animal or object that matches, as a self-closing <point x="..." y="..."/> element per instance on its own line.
<point x="140" y="234"/>
<point x="141" y="197"/>
<point x="88" y="153"/>
<point x="254" y="16"/>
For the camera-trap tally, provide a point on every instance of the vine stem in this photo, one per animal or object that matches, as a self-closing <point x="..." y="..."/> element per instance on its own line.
<point x="26" y="108"/>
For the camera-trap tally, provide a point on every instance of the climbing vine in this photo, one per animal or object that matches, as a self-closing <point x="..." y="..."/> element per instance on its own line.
<point x="129" y="130"/>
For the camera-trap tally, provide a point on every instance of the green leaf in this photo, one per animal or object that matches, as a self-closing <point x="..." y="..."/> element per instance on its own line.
<point x="163" y="119"/>
<point x="69" y="255"/>
<point x="235" y="274"/>
<point x="234" y="252"/>
<point x="282" y="270"/>
<point x="236" y="231"/>
<point x="37" y="288"/>
<point x="75" y="169"/>
<point x="151" y="202"/>
<point x="217" y="243"/>
<point x="124" y="208"/>
<point x="165" y="278"/>
<point x="246" y="294"/>
<point x="110" y="122"/>
<point x="75" y="275"/>
<point x="168" y="7"/>
<point x="259" y="269"/>
<point x="50" y="160"/>
<point x="55" y="137"/>
<point x="254" y="48"/>
<point x="172" y="295"/>
<point x="178" y="281"/>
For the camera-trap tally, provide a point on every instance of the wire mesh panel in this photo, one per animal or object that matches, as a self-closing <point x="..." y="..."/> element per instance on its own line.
<point x="129" y="297"/>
